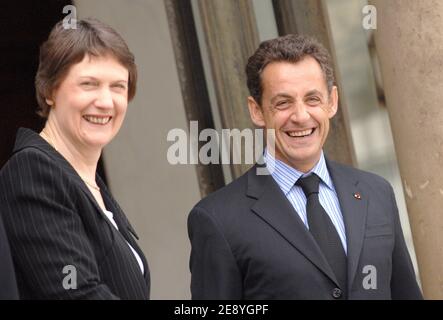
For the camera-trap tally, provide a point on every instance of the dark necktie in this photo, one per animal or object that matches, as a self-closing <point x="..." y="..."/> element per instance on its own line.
<point x="323" y="230"/>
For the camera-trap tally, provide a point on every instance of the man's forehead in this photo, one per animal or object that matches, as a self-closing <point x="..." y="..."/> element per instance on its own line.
<point x="287" y="77"/>
<point x="301" y="86"/>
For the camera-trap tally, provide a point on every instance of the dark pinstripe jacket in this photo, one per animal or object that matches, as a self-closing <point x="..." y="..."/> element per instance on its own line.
<point x="8" y="286"/>
<point x="60" y="238"/>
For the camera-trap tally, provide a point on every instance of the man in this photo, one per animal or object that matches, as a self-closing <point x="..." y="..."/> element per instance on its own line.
<point x="8" y="286"/>
<point x="312" y="229"/>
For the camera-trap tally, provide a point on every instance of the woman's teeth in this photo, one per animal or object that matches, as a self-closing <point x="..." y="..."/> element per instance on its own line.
<point x="97" y="120"/>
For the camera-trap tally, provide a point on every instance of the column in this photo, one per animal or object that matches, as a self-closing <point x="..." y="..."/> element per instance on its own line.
<point x="410" y="45"/>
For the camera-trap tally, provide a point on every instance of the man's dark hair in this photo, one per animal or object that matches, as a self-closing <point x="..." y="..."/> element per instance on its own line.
<point x="290" y="48"/>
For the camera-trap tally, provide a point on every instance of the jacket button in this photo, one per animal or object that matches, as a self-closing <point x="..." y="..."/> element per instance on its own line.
<point x="337" y="293"/>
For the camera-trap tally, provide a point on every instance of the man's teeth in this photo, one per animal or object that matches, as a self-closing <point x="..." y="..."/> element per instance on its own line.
<point x="97" y="120"/>
<point x="300" y="133"/>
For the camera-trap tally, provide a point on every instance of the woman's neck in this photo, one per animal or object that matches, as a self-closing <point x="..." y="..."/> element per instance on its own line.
<point x="83" y="159"/>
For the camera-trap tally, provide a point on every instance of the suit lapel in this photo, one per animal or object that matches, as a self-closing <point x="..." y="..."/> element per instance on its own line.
<point x="273" y="207"/>
<point x="354" y="213"/>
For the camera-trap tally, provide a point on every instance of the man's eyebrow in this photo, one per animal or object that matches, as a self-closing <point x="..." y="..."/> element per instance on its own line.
<point x="280" y="95"/>
<point x="313" y="93"/>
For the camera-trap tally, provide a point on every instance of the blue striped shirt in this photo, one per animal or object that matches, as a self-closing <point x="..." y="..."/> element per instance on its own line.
<point x="286" y="177"/>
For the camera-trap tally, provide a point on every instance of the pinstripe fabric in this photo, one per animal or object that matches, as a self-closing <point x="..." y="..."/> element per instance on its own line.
<point x="8" y="285"/>
<point x="110" y="216"/>
<point x="53" y="221"/>
<point x="286" y="177"/>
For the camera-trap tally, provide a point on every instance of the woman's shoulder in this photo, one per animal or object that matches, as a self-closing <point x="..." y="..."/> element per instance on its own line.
<point x="28" y="167"/>
<point x="30" y="150"/>
<point x="28" y="159"/>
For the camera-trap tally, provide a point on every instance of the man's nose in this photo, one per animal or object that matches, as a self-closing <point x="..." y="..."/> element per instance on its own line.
<point x="300" y="112"/>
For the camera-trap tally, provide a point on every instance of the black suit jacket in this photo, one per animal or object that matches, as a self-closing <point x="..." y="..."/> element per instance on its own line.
<point x="55" y="225"/>
<point x="249" y="243"/>
<point x="8" y="285"/>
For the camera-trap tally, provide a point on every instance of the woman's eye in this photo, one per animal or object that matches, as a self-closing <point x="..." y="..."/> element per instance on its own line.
<point x="88" y="83"/>
<point x="120" y="86"/>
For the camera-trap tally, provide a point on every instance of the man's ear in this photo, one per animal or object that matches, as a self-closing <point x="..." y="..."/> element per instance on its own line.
<point x="333" y="102"/>
<point x="256" y="112"/>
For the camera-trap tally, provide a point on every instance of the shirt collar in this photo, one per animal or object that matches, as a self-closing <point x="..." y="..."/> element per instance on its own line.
<point x="286" y="176"/>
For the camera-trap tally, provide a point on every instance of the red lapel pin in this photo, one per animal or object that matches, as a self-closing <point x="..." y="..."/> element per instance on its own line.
<point x="357" y="196"/>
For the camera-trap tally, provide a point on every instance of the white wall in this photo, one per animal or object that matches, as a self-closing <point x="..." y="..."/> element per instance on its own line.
<point x="155" y="196"/>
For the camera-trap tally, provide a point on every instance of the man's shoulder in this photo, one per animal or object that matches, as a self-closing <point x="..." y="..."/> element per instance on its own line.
<point x="229" y="208"/>
<point x="228" y="203"/>
<point x="232" y="192"/>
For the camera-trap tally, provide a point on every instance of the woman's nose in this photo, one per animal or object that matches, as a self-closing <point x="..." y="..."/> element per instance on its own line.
<point x="104" y="99"/>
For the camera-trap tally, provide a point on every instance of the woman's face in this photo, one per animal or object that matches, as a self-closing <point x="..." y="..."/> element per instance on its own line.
<point x="89" y="105"/>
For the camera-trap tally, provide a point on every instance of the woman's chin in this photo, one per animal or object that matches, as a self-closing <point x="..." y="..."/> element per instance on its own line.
<point x="97" y="143"/>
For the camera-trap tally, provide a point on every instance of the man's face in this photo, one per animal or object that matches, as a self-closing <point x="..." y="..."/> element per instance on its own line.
<point x="296" y="104"/>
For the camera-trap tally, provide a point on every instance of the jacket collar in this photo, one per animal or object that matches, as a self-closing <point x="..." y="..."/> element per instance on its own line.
<point x="27" y="138"/>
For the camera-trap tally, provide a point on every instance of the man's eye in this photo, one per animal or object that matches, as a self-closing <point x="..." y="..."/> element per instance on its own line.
<point x="281" y="103"/>
<point x="313" y="100"/>
<point x="120" y="86"/>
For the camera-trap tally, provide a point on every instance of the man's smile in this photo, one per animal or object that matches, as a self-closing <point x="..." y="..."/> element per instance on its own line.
<point x="300" y="133"/>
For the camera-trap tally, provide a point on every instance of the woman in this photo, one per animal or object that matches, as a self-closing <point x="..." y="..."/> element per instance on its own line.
<point x="68" y="236"/>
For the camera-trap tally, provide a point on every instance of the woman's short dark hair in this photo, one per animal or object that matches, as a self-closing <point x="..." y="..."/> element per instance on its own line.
<point x="290" y="48"/>
<point x="66" y="47"/>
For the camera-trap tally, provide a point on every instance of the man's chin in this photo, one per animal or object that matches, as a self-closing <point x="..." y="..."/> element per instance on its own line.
<point x="301" y="158"/>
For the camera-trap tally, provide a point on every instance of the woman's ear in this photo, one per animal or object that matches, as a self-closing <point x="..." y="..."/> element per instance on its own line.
<point x="256" y="112"/>
<point x="49" y="102"/>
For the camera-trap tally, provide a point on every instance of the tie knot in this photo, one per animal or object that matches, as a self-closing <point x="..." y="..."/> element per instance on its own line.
<point x="309" y="184"/>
